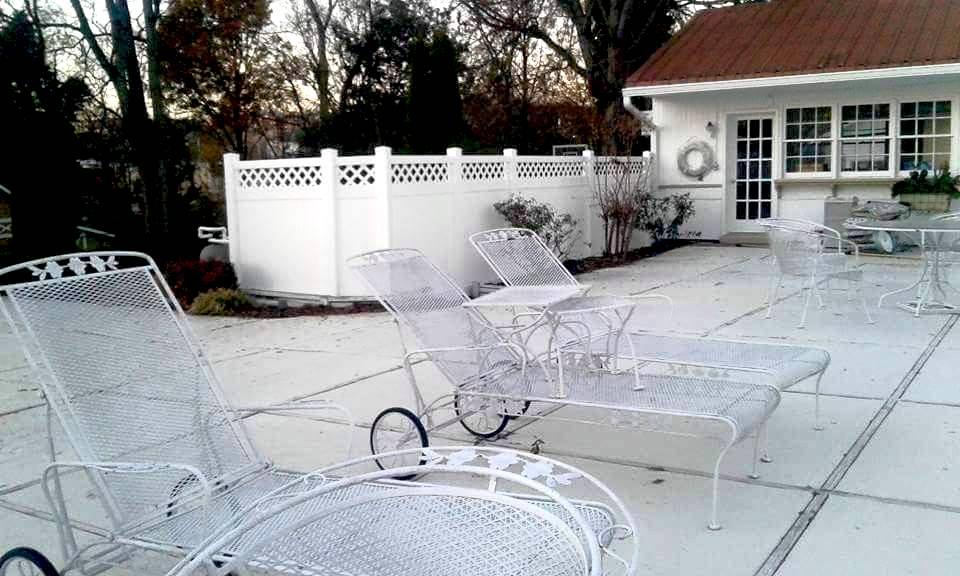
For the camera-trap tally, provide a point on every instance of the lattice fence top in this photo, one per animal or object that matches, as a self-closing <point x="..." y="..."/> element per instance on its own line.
<point x="482" y="171"/>
<point x="550" y="168"/>
<point x="419" y="172"/>
<point x="632" y="166"/>
<point x="360" y="174"/>
<point x="280" y="177"/>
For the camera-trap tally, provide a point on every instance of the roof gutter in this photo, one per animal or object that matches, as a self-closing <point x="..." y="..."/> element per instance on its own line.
<point x="792" y="80"/>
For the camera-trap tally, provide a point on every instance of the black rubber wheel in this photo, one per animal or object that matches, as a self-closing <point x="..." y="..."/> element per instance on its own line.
<point x="26" y="562"/>
<point x="487" y="432"/>
<point x="385" y="437"/>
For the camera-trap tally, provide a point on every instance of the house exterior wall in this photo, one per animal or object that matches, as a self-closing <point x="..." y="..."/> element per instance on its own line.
<point x="682" y="118"/>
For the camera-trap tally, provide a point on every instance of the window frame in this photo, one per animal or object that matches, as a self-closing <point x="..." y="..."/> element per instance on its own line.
<point x="893" y="158"/>
<point x="784" y="142"/>
<point x="953" y="158"/>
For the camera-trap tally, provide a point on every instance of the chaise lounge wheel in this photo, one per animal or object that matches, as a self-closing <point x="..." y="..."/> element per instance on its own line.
<point x="398" y="429"/>
<point x="484" y="418"/>
<point x="26" y="562"/>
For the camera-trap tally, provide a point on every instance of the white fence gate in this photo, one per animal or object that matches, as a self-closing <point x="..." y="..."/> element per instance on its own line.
<point x="293" y="223"/>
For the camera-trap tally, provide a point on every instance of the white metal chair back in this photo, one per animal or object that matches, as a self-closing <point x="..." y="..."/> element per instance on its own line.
<point x="430" y="304"/>
<point x="795" y="244"/>
<point x="521" y="258"/>
<point x="112" y="352"/>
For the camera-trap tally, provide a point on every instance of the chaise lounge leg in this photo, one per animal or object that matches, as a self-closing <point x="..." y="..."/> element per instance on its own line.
<point x="817" y="425"/>
<point x="772" y="293"/>
<point x="714" y="523"/>
<point x="758" y="438"/>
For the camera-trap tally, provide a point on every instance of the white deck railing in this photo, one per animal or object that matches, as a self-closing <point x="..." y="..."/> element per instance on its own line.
<point x="293" y="223"/>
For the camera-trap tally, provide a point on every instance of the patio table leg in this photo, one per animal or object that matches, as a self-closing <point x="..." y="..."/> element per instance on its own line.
<point x="918" y="285"/>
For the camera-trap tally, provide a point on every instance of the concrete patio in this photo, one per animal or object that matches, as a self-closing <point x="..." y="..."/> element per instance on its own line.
<point x="877" y="491"/>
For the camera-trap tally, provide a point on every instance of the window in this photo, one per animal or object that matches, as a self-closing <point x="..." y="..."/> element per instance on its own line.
<point x="808" y="140"/>
<point x="925" y="135"/>
<point x="865" y="138"/>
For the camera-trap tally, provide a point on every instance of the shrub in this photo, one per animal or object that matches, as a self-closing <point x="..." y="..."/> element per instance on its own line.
<point x="559" y="231"/>
<point x="662" y="218"/>
<point x="619" y="188"/>
<point x="923" y="182"/>
<point x="219" y="302"/>
<point x="189" y="278"/>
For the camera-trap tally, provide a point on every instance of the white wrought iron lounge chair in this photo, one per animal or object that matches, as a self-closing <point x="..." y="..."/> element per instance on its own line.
<point x="495" y="376"/>
<point x="801" y="249"/>
<point x="519" y="257"/>
<point x="177" y="475"/>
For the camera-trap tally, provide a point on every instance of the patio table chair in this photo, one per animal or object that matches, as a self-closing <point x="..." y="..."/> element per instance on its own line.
<point x="802" y="249"/>
<point x="495" y="373"/>
<point x="178" y="476"/>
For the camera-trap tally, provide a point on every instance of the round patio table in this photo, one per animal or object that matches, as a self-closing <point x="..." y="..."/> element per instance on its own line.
<point x="939" y="240"/>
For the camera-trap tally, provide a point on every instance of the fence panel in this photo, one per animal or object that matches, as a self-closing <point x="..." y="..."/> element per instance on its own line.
<point x="293" y="223"/>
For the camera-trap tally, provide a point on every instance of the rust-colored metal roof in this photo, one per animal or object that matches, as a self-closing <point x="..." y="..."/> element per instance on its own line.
<point x="788" y="37"/>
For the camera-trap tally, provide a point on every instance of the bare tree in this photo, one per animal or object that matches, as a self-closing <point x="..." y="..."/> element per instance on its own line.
<point x="611" y="37"/>
<point x="313" y="22"/>
<point x="122" y="68"/>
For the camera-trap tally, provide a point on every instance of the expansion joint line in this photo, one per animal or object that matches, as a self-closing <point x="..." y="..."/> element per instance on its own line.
<point x="829" y="486"/>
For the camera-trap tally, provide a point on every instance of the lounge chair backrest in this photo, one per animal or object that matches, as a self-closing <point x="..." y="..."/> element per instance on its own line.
<point x="111" y="349"/>
<point x="430" y="304"/>
<point x="521" y="258"/>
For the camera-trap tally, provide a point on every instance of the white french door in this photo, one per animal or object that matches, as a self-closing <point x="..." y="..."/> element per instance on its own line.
<point x="749" y="190"/>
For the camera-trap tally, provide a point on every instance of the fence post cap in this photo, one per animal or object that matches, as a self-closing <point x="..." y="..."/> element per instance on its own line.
<point x="329" y="153"/>
<point x="587" y="153"/>
<point x="455" y="151"/>
<point x="382" y="151"/>
<point x="511" y="152"/>
<point x="647" y="154"/>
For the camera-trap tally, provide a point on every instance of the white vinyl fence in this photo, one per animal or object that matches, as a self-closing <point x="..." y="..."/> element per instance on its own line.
<point x="293" y="223"/>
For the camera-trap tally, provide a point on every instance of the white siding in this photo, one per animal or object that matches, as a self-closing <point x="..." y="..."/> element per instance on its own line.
<point x="682" y="118"/>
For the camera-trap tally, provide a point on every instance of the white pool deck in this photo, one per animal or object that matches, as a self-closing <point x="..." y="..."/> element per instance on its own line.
<point x="876" y="492"/>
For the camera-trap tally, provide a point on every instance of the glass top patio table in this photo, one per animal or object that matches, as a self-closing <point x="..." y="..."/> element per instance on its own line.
<point x="937" y="238"/>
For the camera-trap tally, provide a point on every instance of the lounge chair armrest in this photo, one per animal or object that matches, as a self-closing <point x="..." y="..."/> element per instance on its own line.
<point x="291" y="409"/>
<point x="59" y="508"/>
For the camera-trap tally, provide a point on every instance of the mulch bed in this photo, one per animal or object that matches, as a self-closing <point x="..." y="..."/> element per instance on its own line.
<point x="267" y="311"/>
<point x="600" y="262"/>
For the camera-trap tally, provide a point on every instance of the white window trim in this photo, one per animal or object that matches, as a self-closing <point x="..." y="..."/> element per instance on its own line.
<point x="953" y="131"/>
<point x="836" y="173"/>
<point x="893" y="158"/>
<point x="783" y="142"/>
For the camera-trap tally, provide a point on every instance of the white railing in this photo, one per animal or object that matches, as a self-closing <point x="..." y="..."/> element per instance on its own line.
<point x="293" y="223"/>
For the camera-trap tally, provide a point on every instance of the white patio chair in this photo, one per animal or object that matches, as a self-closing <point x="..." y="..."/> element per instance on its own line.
<point x="176" y="472"/>
<point x="800" y="249"/>
<point x="497" y="374"/>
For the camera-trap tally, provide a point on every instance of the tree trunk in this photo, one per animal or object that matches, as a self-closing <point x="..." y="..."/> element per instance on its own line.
<point x="136" y="122"/>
